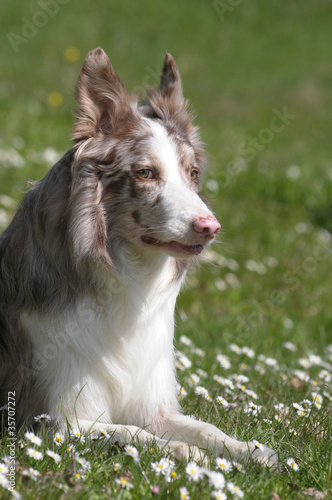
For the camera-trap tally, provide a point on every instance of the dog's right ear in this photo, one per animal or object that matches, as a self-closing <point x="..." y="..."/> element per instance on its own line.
<point x="100" y="94"/>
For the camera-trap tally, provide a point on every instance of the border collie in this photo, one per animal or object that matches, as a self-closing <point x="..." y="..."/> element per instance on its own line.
<point x="91" y="266"/>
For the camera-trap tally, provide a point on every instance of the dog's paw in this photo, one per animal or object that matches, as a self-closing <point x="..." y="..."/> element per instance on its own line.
<point x="184" y="452"/>
<point x="262" y="454"/>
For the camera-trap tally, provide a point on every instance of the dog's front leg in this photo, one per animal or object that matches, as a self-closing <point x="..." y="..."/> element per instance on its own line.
<point x="215" y="442"/>
<point x="128" y="434"/>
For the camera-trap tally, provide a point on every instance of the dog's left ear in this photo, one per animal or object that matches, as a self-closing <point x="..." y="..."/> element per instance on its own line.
<point x="101" y="96"/>
<point x="170" y="82"/>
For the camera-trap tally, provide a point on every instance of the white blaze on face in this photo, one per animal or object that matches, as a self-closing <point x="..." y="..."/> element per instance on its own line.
<point x="180" y="202"/>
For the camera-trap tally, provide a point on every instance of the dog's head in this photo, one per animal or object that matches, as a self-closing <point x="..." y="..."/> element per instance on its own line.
<point x="137" y="168"/>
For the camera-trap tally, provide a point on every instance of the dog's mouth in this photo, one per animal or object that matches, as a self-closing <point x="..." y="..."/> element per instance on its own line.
<point x="173" y="246"/>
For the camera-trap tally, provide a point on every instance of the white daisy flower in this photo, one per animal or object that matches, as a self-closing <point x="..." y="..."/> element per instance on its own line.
<point x="258" y="445"/>
<point x="32" y="473"/>
<point x="224" y="465"/>
<point x="33" y="438"/>
<point x="235" y="348"/>
<point x="221" y="401"/>
<point x="193" y="379"/>
<point x="224" y="361"/>
<point x="124" y="483"/>
<point x="37" y="455"/>
<point x="235" y="490"/>
<point x="202" y="391"/>
<point x="315" y="360"/>
<point x="224" y="381"/>
<point x="132" y="452"/>
<point x="185" y="340"/>
<point x="304" y="362"/>
<point x="85" y="464"/>
<point x="58" y="439"/>
<point x="56" y="457"/>
<point x="216" y="479"/>
<point x="239" y="467"/>
<point x="301" y="375"/>
<point x="104" y="433"/>
<point x="4" y="469"/>
<point x="291" y="463"/>
<point x="317" y="398"/>
<point x="182" y="393"/>
<point x="76" y="433"/>
<point x="164" y="467"/>
<point x="184" y="493"/>
<point x="290" y="346"/>
<point x="43" y="416"/>
<point x="194" y="472"/>
<point x="219" y="495"/>
<point x="251" y="393"/>
<point x="4" y="481"/>
<point x="248" y="352"/>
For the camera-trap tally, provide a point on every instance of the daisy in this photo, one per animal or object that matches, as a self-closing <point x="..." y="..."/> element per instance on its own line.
<point x="4" y="469"/>
<point x="104" y="433"/>
<point x="161" y="467"/>
<point x="193" y="379"/>
<point x="216" y="479"/>
<point x="201" y="391"/>
<point x="32" y="473"/>
<point x="290" y="346"/>
<point x="239" y="467"/>
<point x="124" y="483"/>
<point x="56" y="457"/>
<point x="291" y="463"/>
<point x="4" y="481"/>
<point x="76" y="433"/>
<point x="43" y="416"/>
<point x="221" y="401"/>
<point x="58" y="439"/>
<point x="193" y="471"/>
<point x="85" y="464"/>
<point x="224" y="464"/>
<point x="219" y="495"/>
<point x="235" y="490"/>
<point x="185" y="340"/>
<point x="37" y="455"/>
<point x="317" y="398"/>
<point x="224" y="361"/>
<point x="33" y="438"/>
<point x="132" y="452"/>
<point x="182" y="393"/>
<point x="184" y="493"/>
<point x="248" y="352"/>
<point x="258" y="445"/>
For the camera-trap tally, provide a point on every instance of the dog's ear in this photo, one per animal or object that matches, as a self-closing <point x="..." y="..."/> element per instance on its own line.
<point x="170" y="82"/>
<point x="100" y="94"/>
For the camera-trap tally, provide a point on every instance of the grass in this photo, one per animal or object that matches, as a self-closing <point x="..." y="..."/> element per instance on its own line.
<point x="268" y="281"/>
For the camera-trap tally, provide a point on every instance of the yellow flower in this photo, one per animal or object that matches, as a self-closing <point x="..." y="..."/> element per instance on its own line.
<point x="72" y="54"/>
<point x="55" y="99"/>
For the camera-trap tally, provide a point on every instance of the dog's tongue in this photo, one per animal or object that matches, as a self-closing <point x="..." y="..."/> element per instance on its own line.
<point x="184" y="249"/>
<point x="174" y="246"/>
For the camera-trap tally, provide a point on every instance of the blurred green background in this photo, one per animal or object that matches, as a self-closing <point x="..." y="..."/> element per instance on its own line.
<point x="243" y="64"/>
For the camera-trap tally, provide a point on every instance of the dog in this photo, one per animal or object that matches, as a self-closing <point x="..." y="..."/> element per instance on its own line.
<point x="91" y="266"/>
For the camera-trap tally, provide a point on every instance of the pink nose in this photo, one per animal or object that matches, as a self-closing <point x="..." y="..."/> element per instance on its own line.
<point x="207" y="227"/>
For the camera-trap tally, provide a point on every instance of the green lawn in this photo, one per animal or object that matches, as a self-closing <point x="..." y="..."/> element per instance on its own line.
<point x="259" y="75"/>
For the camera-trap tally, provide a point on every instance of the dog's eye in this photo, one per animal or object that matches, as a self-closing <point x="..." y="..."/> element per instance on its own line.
<point x="145" y="173"/>
<point x="194" y="175"/>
